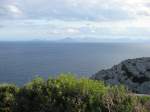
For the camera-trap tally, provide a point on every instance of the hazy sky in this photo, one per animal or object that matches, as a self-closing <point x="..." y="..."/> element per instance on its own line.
<point x="54" y="19"/>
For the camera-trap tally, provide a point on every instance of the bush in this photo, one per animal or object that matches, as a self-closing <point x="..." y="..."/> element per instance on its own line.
<point x="32" y="97"/>
<point x="67" y="93"/>
<point x="7" y="97"/>
<point x="145" y="101"/>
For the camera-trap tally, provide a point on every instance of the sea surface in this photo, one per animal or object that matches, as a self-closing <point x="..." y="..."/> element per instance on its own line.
<point x="22" y="61"/>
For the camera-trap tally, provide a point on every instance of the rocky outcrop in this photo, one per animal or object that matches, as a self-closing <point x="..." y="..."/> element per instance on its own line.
<point x="133" y="73"/>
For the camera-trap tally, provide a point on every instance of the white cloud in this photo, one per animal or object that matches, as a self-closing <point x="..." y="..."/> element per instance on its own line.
<point x="97" y="18"/>
<point x="80" y="9"/>
<point x="50" y="29"/>
<point x="14" y="9"/>
<point x="9" y="9"/>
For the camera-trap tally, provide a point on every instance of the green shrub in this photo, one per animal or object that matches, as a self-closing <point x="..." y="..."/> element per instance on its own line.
<point x="67" y="93"/>
<point x="70" y="94"/>
<point x="32" y="96"/>
<point x="7" y="97"/>
<point x="118" y="100"/>
<point x="145" y="101"/>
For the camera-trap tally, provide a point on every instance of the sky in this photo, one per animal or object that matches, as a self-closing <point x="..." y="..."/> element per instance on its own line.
<point x="56" y="19"/>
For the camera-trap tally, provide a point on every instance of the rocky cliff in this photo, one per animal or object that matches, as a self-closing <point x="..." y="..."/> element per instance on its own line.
<point x="133" y="73"/>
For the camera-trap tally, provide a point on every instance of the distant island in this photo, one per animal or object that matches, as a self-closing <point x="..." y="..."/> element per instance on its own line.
<point x="92" y="40"/>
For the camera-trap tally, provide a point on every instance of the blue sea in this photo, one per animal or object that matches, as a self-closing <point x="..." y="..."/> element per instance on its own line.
<point x="22" y="61"/>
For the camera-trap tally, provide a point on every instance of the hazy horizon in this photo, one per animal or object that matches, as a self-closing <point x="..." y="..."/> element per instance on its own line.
<point x="82" y="40"/>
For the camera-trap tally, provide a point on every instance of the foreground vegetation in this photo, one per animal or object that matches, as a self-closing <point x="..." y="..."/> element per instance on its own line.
<point x="66" y="93"/>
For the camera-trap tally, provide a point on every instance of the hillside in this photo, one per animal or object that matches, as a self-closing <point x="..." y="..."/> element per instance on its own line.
<point x="133" y="73"/>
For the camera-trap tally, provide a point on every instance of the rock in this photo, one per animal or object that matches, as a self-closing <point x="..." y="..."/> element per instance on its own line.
<point x="133" y="73"/>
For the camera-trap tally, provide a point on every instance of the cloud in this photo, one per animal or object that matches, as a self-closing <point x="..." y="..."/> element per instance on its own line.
<point x="75" y="18"/>
<point x="14" y="9"/>
<point x="92" y="10"/>
<point x="48" y="29"/>
<point x="86" y="9"/>
<point x="9" y="9"/>
<point x="64" y="32"/>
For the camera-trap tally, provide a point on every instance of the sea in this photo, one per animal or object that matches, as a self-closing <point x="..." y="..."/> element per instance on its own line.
<point x="20" y="62"/>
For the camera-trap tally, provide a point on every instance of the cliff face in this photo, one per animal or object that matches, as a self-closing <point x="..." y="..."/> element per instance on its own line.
<point x="133" y="73"/>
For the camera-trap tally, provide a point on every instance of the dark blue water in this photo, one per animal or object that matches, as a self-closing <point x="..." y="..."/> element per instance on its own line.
<point x="21" y="61"/>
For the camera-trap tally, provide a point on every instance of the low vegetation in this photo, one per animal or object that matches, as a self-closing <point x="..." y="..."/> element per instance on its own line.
<point x="67" y="93"/>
